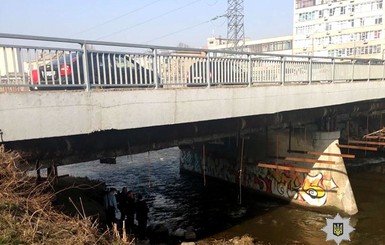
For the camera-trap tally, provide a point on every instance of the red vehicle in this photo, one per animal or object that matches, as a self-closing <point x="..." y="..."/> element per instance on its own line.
<point x="104" y="69"/>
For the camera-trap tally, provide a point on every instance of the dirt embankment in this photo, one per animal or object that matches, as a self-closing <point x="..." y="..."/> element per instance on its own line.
<point x="27" y="215"/>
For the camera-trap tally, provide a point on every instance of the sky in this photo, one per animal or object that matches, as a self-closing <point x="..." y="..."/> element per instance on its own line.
<point x="154" y="22"/>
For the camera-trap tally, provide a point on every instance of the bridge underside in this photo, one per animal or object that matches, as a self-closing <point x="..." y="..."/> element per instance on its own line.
<point x="112" y="143"/>
<point x="258" y="143"/>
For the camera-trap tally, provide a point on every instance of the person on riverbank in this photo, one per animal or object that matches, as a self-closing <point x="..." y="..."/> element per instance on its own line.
<point x="130" y="211"/>
<point x="141" y="216"/>
<point x="110" y="207"/>
<point x="122" y="199"/>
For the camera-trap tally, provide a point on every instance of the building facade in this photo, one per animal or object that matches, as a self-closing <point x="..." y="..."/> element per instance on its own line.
<point x="339" y="28"/>
<point x="276" y="45"/>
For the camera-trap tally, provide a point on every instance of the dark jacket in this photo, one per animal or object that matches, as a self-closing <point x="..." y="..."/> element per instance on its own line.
<point x="141" y="210"/>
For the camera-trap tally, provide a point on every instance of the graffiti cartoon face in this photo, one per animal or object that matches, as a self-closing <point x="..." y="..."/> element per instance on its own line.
<point x="313" y="191"/>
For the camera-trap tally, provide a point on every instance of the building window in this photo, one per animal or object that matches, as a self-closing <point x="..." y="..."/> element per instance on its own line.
<point x="377" y="5"/>
<point x="378" y="49"/>
<point x="328" y="27"/>
<point x="304" y="3"/>
<point x="351" y="9"/>
<point x="320" y="14"/>
<point x="362" y="22"/>
<point x="377" y="34"/>
<point x="364" y="36"/>
<point x="331" y="11"/>
<point x="343" y="10"/>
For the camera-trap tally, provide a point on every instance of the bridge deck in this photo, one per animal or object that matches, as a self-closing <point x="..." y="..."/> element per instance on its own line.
<point x="95" y="86"/>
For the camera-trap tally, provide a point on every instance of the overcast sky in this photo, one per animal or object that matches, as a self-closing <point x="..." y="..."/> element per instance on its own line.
<point x="160" y="22"/>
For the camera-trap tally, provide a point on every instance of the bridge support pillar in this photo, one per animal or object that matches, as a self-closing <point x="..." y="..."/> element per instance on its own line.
<point x="334" y="177"/>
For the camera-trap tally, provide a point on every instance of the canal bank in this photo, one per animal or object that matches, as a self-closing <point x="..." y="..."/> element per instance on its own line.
<point x="82" y="196"/>
<point x="27" y="215"/>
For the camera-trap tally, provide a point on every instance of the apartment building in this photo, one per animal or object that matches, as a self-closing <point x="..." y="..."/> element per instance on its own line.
<point x="339" y="28"/>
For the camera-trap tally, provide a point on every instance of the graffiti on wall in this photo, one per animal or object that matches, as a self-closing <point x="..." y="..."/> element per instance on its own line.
<point x="312" y="189"/>
<point x="315" y="189"/>
<point x="302" y="187"/>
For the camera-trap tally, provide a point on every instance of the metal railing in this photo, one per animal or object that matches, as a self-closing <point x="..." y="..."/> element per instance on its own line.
<point x="33" y="62"/>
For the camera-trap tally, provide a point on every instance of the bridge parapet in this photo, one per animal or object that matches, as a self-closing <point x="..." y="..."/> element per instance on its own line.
<point x="34" y="62"/>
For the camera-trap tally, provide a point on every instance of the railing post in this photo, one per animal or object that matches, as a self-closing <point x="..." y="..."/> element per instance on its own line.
<point x="249" y="71"/>
<point x="208" y="70"/>
<point x="383" y="70"/>
<point x="283" y="70"/>
<point x="333" y="70"/>
<point x="310" y="70"/>
<point x="155" y="68"/>
<point x="85" y="66"/>
<point x="6" y="63"/>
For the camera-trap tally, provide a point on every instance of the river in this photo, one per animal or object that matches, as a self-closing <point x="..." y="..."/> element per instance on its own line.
<point x="179" y="200"/>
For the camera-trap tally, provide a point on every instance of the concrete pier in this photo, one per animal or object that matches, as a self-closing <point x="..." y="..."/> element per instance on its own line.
<point x="326" y="183"/>
<point x="334" y="176"/>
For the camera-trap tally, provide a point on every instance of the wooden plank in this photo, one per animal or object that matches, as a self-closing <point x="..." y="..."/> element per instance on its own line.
<point x="366" y="148"/>
<point x="319" y="153"/>
<point x="282" y="167"/>
<point x="366" y="142"/>
<point x="309" y="160"/>
<point x="331" y="154"/>
<point x="374" y="137"/>
<point x="375" y="132"/>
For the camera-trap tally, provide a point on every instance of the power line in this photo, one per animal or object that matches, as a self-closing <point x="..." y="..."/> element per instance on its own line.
<point x="113" y="19"/>
<point x="151" y="19"/>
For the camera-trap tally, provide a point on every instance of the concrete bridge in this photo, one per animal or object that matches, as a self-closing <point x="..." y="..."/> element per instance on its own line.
<point x="66" y="100"/>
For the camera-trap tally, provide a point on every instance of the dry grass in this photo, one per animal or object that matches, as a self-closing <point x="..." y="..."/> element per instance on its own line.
<point x="28" y="217"/>
<point x="244" y="240"/>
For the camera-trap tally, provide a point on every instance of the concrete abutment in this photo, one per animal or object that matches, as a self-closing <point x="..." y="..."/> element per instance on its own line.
<point x="315" y="176"/>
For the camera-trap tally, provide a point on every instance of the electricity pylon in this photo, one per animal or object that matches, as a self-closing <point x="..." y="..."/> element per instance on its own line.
<point x="235" y="27"/>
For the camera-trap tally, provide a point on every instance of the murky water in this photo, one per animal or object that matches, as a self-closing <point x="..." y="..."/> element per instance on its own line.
<point x="180" y="200"/>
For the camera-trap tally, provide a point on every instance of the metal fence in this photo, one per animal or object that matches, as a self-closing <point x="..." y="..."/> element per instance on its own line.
<point x="34" y="63"/>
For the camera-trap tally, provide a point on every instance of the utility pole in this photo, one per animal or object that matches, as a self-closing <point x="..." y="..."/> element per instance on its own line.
<point x="235" y="27"/>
